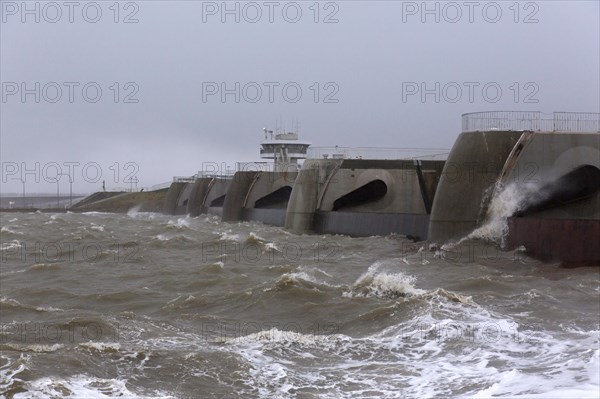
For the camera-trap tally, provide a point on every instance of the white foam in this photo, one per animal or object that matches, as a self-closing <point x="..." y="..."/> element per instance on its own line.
<point x="299" y="277"/>
<point x="15" y="303"/>
<point x="383" y="284"/>
<point x="133" y="212"/>
<point x="271" y="246"/>
<point x="96" y="227"/>
<point x="468" y="348"/>
<point x="7" y="229"/>
<point x="179" y="300"/>
<point x="526" y="385"/>
<point x="180" y="223"/>
<point x="38" y="348"/>
<point x="81" y="386"/>
<point x="101" y="346"/>
<point x="218" y="264"/>
<point x="48" y="309"/>
<point x="229" y="236"/>
<point x="6" y="246"/>
<point x="162" y="237"/>
<point x="172" y="237"/>
<point x="275" y="335"/>
<point x="10" y="369"/>
<point x="10" y="301"/>
<point x="273" y="376"/>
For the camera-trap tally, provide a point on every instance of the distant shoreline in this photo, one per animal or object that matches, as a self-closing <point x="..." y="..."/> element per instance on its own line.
<point x="102" y="201"/>
<point x="34" y="210"/>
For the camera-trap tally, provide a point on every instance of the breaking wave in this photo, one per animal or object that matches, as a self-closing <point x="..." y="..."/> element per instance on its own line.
<point x="384" y="284"/>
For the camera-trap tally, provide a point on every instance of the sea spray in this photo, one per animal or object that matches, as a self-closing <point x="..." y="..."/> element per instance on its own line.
<point x="134" y="211"/>
<point x="506" y="201"/>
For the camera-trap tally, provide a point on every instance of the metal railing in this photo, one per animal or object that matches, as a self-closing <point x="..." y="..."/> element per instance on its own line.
<point x="575" y="122"/>
<point x="159" y="186"/>
<point x="228" y="173"/>
<point x="267" y="166"/>
<point x="377" y="153"/>
<point x="184" y="179"/>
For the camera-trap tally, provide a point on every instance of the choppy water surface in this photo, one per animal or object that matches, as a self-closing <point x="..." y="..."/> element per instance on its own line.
<point x="147" y="305"/>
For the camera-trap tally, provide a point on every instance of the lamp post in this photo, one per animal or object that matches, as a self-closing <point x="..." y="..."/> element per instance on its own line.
<point x="23" y="181"/>
<point x="70" y="189"/>
<point x="133" y="180"/>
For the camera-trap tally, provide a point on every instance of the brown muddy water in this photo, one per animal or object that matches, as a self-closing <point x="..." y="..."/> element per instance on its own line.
<point x="148" y="305"/>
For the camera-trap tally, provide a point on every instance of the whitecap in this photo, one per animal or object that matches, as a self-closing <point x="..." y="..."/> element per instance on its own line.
<point x="7" y="229"/>
<point x="375" y="283"/>
<point x="229" y="236"/>
<point x="10" y="245"/>
<point x="38" y="348"/>
<point x="101" y="346"/>
<point x="80" y="386"/>
<point x="133" y="212"/>
<point x="96" y="227"/>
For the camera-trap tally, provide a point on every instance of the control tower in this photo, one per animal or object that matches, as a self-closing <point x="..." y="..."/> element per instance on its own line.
<point x="284" y="149"/>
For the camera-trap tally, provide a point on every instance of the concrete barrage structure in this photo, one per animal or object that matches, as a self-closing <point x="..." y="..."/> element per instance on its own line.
<point x="362" y="197"/>
<point x="540" y="175"/>
<point x="197" y="195"/>
<point x="336" y="195"/>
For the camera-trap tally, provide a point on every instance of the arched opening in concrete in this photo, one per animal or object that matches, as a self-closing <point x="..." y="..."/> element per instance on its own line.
<point x="278" y="199"/>
<point x="218" y="202"/>
<point x="370" y="192"/>
<point x="579" y="184"/>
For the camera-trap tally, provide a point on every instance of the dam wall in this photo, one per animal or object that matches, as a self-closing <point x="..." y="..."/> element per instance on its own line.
<point x="539" y="178"/>
<point x="199" y="196"/>
<point x="364" y="197"/>
<point x="172" y="199"/>
<point x="481" y="163"/>
<point x="542" y="185"/>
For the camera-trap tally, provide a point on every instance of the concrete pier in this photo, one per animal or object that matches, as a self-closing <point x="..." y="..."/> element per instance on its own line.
<point x="268" y="196"/>
<point x="236" y="196"/>
<point x="199" y="192"/>
<point x="214" y="199"/>
<point x="304" y="199"/>
<point x="363" y="197"/>
<point x="259" y="196"/>
<point x="171" y="206"/>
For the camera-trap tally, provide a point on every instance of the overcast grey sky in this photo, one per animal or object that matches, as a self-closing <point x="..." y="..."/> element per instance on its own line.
<point x="361" y="67"/>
